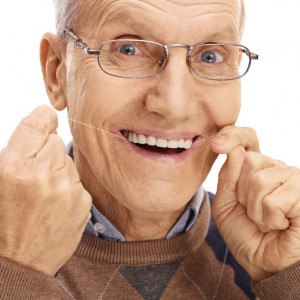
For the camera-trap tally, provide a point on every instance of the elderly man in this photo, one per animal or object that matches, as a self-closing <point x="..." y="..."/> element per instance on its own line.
<point x="152" y="90"/>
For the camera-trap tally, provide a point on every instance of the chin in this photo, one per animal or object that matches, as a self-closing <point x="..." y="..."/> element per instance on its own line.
<point x="162" y="198"/>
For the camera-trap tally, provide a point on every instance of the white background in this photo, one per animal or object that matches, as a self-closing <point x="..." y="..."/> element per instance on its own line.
<point x="271" y="91"/>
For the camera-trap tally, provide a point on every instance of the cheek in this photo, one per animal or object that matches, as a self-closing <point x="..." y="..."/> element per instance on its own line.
<point x="98" y="97"/>
<point x="97" y="102"/>
<point x="224" y="103"/>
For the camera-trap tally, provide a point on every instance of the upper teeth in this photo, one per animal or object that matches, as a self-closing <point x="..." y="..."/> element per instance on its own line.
<point x="159" y="142"/>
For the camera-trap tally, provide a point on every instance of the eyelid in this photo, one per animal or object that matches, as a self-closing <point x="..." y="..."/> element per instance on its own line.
<point x="128" y="36"/>
<point x="221" y="50"/>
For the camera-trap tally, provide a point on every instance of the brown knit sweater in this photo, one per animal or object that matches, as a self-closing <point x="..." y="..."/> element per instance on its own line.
<point x="194" y="265"/>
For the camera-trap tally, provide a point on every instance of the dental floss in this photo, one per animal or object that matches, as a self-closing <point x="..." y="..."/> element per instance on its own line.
<point x="121" y="137"/>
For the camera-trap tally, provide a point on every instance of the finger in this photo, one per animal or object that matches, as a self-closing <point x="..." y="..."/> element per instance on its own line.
<point x="32" y="133"/>
<point x="68" y="175"/>
<point x="253" y="163"/>
<point x="230" y="137"/>
<point x="261" y="207"/>
<point x="227" y="184"/>
<point x="283" y="205"/>
<point x="232" y="168"/>
<point x="52" y="156"/>
<point x="72" y="170"/>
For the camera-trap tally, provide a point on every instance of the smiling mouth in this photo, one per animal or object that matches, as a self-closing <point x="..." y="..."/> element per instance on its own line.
<point x="159" y="145"/>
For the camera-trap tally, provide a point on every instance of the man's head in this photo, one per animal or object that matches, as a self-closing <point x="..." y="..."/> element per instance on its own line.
<point x="168" y="109"/>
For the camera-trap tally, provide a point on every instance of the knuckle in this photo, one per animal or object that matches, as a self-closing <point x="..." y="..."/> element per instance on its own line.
<point x="229" y="128"/>
<point x="250" y="131"/>
<point x="249" y="161"/>
<point x="34" y="124"/>
<point x="69" y="160"/>
<point x="254" y="216"/>
<point x="56" y="141"/>
<point x="88" y="201"/>
<point x="251" y="138"/>
<point x="85" y="198"/>
<point x="19" y="173"/>
<point x="258" y="180"/>
<point x="268" y="202"/>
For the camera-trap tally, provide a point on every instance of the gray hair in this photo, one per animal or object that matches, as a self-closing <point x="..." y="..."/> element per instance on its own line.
<point x="67" y="16"/>
<point x="243" y="17"/>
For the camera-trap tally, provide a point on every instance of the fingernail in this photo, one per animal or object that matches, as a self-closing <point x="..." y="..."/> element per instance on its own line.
<point x="219" y="140"/>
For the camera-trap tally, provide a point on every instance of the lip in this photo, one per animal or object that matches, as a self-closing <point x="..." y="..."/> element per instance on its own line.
<point x="160" y="157"/>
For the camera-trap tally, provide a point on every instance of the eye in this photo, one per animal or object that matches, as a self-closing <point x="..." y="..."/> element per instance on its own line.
<point x="128" y="49"/>
<point x="211" y="57"/>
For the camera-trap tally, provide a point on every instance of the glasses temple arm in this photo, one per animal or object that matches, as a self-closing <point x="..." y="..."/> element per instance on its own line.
<point x="250" y="54"/>
<point x="253" y="56"/>
<point x="79" y="42"/>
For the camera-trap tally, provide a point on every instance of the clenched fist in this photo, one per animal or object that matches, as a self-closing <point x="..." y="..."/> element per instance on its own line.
<point x="257" y="210"/>
<point x="43" y="205"/>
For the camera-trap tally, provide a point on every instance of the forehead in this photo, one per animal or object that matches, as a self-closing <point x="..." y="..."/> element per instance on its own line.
<point x="174" y="17"/>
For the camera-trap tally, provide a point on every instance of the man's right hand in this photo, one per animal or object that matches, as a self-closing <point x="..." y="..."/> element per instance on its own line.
<point x="43" y="206"/>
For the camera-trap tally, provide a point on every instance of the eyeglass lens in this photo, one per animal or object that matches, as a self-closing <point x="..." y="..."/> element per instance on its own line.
<point x="134" y="58"/>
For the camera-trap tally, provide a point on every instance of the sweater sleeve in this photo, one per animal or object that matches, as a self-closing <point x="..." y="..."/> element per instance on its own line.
<point x="19" y="282"/>
<point x="284" y="285"/>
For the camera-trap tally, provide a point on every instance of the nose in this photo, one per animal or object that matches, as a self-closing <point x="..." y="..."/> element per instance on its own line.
<point x="173" y="94"/>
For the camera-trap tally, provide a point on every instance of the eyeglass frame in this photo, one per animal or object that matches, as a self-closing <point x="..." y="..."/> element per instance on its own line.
<point x="81" y="44"/>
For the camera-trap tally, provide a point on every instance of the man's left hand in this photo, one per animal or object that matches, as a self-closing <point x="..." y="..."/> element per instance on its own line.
<point x="257" y="208"/>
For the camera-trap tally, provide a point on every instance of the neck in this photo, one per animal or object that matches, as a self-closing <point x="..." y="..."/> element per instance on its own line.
<point x="134" y="224"/>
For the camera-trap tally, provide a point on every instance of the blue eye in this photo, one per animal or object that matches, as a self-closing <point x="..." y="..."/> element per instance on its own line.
<point x="128" y="49"/>
<point x="211" y="57"/>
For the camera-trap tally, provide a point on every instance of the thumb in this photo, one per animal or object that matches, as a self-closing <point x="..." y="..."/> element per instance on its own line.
<point x="226" y="195"/>
<point x="231" y="170"/>
<point x="32" y="133"/>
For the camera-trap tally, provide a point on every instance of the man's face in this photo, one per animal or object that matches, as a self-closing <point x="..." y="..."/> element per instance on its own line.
<point x="173" y="105"/>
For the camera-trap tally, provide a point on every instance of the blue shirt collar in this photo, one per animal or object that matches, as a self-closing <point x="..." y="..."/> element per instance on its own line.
<point x="101" y="227"/>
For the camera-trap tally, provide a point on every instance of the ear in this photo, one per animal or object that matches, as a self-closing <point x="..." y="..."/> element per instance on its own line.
<point x="52" y="54"/>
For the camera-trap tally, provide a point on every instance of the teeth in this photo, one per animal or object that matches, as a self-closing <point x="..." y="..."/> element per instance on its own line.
<point x="151" y="141"/>
<point x="181" y="143"/>
<point x="188" y="144"/>
<point x="159" y="142"/>
<point x="173" y="144"/>
<point x="135" y="138"/>
<point x="142" y="139"/>
<point x="130" y="136"/>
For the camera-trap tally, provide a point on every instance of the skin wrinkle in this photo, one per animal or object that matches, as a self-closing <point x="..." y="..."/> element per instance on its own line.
<point x="135" y="27"/>
<point x="71" y="15"/>
<point x="84" y="68"/>
<point x="181" y="13"/>
<point x="190" y="105"/>
<point x="121" y="15"/>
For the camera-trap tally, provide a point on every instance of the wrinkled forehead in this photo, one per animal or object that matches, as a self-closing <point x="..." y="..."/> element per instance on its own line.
<point x="163" y="15"/>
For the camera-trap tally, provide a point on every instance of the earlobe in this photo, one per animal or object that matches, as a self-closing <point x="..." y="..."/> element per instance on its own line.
<point x="52" y="51"/>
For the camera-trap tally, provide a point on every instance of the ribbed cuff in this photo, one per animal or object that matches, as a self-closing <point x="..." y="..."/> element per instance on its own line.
<point x="281" y="286"/>
<point x="20" y="282"/>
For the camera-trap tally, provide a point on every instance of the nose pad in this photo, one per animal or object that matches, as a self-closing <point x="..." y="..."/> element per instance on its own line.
<point x="162" y="61"/>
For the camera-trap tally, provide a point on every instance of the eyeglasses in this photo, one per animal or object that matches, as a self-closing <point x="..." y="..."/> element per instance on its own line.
<point x="133" y="58"/>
